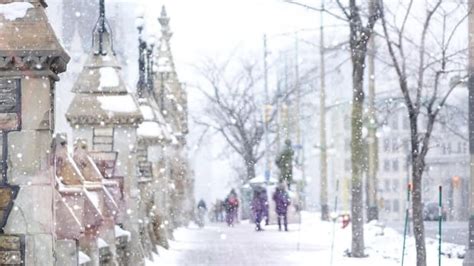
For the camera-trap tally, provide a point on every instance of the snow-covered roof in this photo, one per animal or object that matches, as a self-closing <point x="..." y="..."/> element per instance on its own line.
<point x="121" y="232"/>
<point x="104" y="109"/>
<point x="101" y="243"/>
<point x="83" y="258"/>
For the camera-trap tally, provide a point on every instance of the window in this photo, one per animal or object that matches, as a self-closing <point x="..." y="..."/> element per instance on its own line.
<point x="386" y="165"/>
<point x="396" y="206"/>
<point x="386" y="145"/>
<point x="395" y="145"/>
<point x="448" y="148"/>
<point x="395" y="185"/>
<point x="387" y="205"/>
<point x="103" y="139"/>
<point x="395" y="165"/>
<point x="386" y="185"/>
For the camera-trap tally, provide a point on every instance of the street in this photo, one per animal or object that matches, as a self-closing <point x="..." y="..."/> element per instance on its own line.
<point x="453" y="232"/>
<point x="218" y="244"/>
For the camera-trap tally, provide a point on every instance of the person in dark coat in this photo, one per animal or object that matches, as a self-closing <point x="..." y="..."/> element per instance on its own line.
<point x="231" y="207"/>
<point x="282" y="201"/>
<point x="201" y="212"/>
<point x="259" y="206"/>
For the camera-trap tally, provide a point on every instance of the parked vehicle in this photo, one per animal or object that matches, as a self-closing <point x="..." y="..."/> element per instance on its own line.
<point x="431" y="212"/>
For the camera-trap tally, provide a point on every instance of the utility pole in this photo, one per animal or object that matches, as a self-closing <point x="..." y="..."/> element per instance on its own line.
<point x="322" y="126"/>
<point x="298" y="100"/>
<point x="278" y="115"/>
<point x="372" y="213"/>
<point x="266" y="113"/>
<point x="469" y="258"/>
<point x="286" y="105"/>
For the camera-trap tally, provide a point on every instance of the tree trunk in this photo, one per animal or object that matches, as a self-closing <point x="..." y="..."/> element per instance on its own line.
<point x="357" y="149"/>
<point x="418" y="225"/>
<point x="250" y="167"/>
<point x="372" y="213"/>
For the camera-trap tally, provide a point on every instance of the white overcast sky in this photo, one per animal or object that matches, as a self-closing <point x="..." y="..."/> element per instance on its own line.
<point x="211" y="28"/>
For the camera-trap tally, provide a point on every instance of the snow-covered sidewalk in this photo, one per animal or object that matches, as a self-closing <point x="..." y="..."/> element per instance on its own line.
<point x="308" y="244"/>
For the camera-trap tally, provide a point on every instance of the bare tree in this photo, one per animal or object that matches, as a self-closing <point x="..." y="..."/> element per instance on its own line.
<point x="236" y="110"/>
<point x="422" y="86"/>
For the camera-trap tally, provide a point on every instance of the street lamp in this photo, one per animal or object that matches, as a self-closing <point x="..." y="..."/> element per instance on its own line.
<point x="139" y="23"/>
<point x="149" y="58"/>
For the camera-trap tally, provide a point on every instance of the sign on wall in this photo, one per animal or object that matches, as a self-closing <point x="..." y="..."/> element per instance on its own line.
<point x="10" y="104"/>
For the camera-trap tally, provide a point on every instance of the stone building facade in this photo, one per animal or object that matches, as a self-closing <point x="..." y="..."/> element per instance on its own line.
<point x="123" y="189"/>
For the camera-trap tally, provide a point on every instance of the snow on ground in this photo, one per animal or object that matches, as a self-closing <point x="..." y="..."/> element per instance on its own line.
<point x="216" y="244"/>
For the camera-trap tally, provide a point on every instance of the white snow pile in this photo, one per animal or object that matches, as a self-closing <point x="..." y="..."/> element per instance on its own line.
<point x="118" y="103"/>
<point x="120" y="232"/>
<point x="15" y="10"/>
<point x="108" y="78"/>
<point x="147" y="112"/>
<point x="101" y="243"/>
<point x="83" y="258"/>
<point x="150" y="129"/>
<point x="383" y="245"/>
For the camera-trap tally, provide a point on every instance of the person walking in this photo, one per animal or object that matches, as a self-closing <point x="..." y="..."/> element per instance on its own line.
<point x="231" y="207"/>
<point x="282" y="201"/>
<point x="201" y="209"/>
<point x="259" y="206"/>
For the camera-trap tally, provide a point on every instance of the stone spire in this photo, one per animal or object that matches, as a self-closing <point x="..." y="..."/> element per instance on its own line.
<point x="170" y="94"/>
<point x="101" y="94"/>
<point x="165" y="57"/>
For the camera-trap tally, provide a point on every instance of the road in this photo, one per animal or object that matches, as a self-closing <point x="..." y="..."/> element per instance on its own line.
<point x="217" y="244"/>
<point x="453" y="232"/>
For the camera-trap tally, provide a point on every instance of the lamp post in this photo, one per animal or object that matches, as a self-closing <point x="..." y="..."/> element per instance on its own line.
<point x="141" y="57"/>
<point x="149" y="59"/>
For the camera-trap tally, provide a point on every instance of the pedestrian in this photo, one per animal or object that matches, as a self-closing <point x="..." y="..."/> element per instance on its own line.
<point x="201" y="212"/>
<point x="259" y="206"/>
<point x="282" y="201"/>
<point x="220" y="210"/>
<point x="231" y="207"/>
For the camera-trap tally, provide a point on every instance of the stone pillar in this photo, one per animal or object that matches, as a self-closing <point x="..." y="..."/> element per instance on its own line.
<point x="31" y="59"/>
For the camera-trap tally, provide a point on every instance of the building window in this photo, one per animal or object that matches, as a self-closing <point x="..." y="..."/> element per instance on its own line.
<point x="395" y="145"/>
<point x="386" y="185"/>
<point x="103" y="139"/>
<point x="395" y="165"/>
<point x="396" y="206"/>
<point x="395" y="185"/>
<point x="386" y="165"/>
<point x="386" y="145"/>
<point x="387" y="206"/>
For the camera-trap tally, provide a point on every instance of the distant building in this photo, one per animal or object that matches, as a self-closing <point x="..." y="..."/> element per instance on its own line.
<point x="447" y="163"/>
